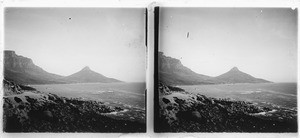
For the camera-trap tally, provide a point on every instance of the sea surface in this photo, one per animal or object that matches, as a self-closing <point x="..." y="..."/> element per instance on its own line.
<point x="275" y="94"/>
<point x="129" y="96"/>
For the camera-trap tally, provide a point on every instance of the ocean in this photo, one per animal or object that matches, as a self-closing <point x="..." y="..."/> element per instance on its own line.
<point x="275" y="94"/>
<point x="129" y="96"/>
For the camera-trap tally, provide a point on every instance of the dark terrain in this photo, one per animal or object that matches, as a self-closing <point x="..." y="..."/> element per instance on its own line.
<point x="181" y="111"/>
<point x="28" y="110"/>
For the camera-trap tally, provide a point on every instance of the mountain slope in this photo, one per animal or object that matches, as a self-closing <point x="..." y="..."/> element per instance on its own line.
<point x="22" y="70"/>
<point x="86" y="75"/>
<point x="171" y="71"/>
<point x="237" y="76"/>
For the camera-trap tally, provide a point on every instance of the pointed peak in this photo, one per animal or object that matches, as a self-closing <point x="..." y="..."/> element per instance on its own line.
<point x="234" y="69"/>
<point x="86" y="68"/>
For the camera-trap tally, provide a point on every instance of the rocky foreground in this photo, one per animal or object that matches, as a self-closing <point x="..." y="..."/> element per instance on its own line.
<point x="181" y="111"/>
<point x="28" y="110"/>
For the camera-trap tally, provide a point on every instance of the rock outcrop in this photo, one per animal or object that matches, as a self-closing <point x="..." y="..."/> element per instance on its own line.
<point x="11" y="88"/>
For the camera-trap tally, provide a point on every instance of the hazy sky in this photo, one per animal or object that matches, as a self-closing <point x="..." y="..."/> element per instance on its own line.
<point x="260" y="42"/>
<point x="63" y="41"/>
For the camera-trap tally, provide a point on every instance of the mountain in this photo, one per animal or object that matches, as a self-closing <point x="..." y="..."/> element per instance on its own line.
<point x="22" y="70"/>
<point x="236" y="76"/>
<point x="86" y="75"/>
<point x="171" y="71"/>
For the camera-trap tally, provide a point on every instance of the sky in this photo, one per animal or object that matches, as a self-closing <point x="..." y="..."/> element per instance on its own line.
<point x="64" y="40"/>
<point x="259" y="41"/>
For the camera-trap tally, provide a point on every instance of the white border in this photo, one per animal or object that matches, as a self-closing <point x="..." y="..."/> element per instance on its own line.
<point x="143" y="4"/>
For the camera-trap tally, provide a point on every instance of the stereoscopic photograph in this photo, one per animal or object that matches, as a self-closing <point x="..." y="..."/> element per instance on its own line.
<point x="74" y="70"/>
<point x="227" y="70"/>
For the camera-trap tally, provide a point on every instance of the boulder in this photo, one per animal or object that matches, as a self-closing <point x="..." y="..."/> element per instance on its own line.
<point x="47" y="115"/>
<point x="196" y="115"/>
<point x="166" y="101"/>
<point x="18" y="100"/>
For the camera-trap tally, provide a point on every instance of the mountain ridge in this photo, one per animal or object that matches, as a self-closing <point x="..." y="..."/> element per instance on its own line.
<point x="172" y="71"/>
<point x="22" y="70"/>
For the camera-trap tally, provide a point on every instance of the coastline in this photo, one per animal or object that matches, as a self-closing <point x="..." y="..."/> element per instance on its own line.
<point x="182" y="111"/>
<point x="35" y="111"/>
